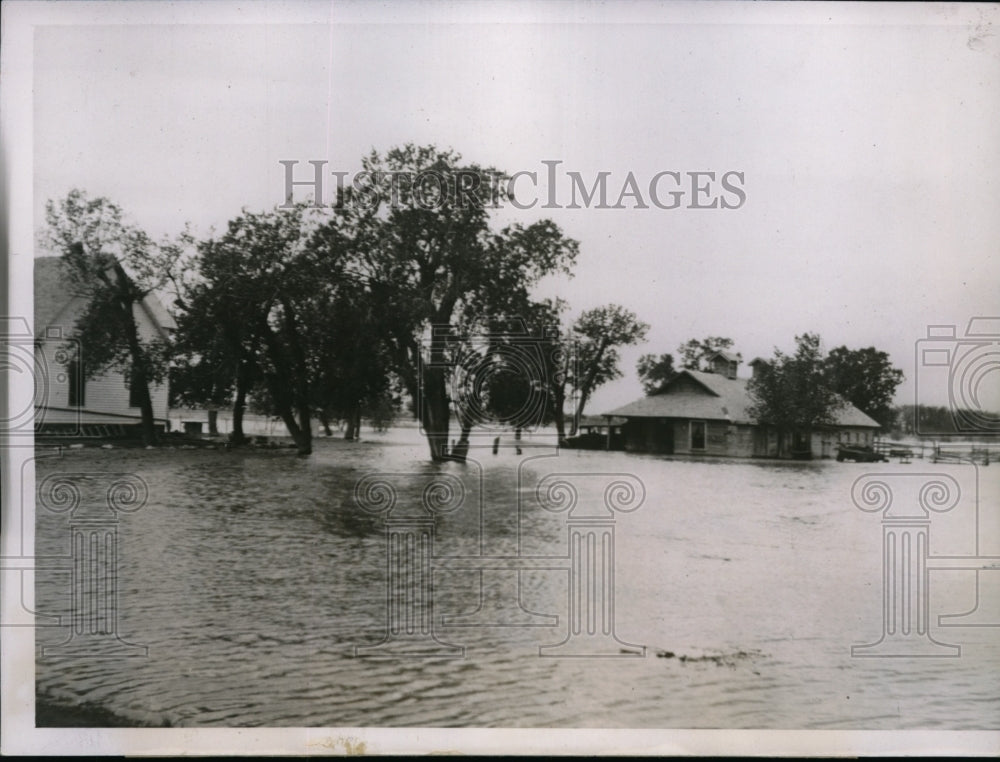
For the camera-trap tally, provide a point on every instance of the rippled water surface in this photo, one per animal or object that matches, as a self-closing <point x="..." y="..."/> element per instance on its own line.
<point x="253" y="577"/>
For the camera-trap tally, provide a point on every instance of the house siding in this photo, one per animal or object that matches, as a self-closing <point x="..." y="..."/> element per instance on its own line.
<point x="673" y="437"/>
<point x="105" y="397"/>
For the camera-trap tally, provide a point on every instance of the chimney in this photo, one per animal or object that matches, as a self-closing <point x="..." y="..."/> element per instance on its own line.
<point x="757" y="365"/>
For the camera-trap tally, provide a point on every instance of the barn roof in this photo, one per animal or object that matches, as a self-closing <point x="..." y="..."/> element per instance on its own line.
<point x="713" y="397"/>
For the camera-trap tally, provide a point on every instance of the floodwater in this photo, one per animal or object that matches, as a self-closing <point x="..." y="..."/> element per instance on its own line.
<point x="257" y="585"/>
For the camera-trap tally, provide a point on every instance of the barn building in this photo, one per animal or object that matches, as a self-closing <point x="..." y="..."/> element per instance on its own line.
<point x="706" y="413"/>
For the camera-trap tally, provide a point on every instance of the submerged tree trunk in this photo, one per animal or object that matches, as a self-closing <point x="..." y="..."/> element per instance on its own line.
<point x="461" y="449"/>
<point x="351" y="429"/>
<point x="558" y="411"/>
<point x="125" y="298"/>
<point x="140" y="380"/>
<point x="301" y="374"/>
<point x="587" y="386"/>
<point x="302" y="436"/>
<point x="432" y="401"/>
<point x="146" y="409"/>
<point x="237" y="436"/>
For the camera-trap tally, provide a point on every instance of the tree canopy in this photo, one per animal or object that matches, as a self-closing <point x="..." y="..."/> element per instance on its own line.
<point x="309" y="312"/>
<point x="655" y="371"/>
<point x="598" y="334"/>
<point x="793" y="392"/>
<point x="866" y="379"/>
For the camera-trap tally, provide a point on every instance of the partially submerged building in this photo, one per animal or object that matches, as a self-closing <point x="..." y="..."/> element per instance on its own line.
<point x="707" y="413"/>
<point x="67" y="402"/>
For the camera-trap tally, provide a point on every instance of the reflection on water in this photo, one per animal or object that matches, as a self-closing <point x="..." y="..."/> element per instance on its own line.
<point x="252" y="577"/>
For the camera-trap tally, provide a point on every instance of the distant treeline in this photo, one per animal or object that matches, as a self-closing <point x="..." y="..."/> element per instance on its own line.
<point x="932" y="420"/>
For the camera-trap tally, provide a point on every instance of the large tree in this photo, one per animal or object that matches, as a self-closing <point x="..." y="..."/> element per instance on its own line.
<point x="598" y="334"/>
<point x="421" y="235"/>
<point x="792" y="393"/>
<point x="866" y="379"/>
<point x="252" y="319"/>
<point x="655" y="371"/>
<point x="351" y="364"/>
<point x="114" y="266"/>
<point x="516" y="372"/>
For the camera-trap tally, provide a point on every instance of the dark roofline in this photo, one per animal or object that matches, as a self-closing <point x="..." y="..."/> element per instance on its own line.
<point x="689" y="374"/>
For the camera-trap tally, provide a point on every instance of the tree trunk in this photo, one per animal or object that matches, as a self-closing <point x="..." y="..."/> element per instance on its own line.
<point x="558" y="412"/>
<point x="237" y="436"/>
<point x="560" y="420"/>
<point x="288" y="388"/>
<point x="304" y="439"/>
<point x="461" y="449"/>
<point x="350" y="430"/>
<point x="432" y="401"/>
<point x="145" y="408"/>
<point x="587" y="385"/>
<point x="324" y="421"/>
<point x="301" y="437"/>
<point x="138" y="374"/>
<point x="574" y="424"/>
<point x="213" y="422"/>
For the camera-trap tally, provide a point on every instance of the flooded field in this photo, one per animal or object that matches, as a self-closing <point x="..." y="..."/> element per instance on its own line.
<point x="256" y="591"/>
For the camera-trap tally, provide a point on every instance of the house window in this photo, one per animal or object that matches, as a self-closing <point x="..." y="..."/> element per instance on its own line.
<point x="77" y="384"/>
<point x="697" y="435"/>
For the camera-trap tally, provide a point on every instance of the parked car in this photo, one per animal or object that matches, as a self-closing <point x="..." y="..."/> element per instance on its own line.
<point x="860" y="454"/>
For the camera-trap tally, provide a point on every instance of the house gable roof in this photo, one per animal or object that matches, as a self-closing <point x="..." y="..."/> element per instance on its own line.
<point x="52" y="294"/>
<point x="694" y="394"/>
<point x="714" y="397"/>
<point x="56" y="304"/>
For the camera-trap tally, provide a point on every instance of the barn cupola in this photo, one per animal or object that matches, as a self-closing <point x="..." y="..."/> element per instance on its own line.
<point x="757" y="365"/>
<point x="724" y="363"/>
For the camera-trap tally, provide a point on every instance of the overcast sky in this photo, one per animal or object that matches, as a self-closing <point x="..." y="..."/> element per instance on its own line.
<point x="867" y="140"/>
